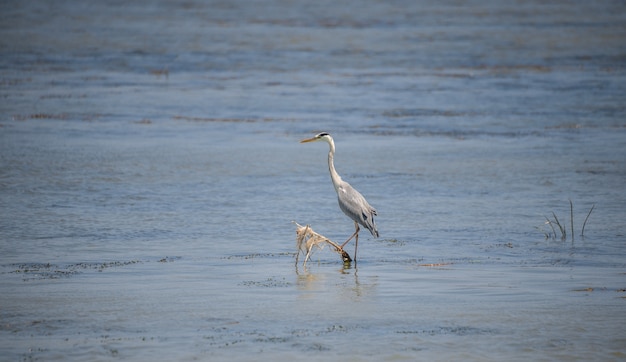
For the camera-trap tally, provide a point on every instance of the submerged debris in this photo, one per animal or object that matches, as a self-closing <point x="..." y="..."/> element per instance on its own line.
<point x="307" y="239"/>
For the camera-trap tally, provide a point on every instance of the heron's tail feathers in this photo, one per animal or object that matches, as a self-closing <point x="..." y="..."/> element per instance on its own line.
<point x="370" y="224"/>
<point x="374" y="231"/>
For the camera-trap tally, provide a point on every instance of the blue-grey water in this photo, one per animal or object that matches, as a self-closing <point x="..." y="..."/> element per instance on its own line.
<point x="150" y="172"/>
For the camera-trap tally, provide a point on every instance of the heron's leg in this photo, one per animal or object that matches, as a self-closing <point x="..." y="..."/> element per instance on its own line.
<point x="356" y="233"/>
<point x="356" y="244"/>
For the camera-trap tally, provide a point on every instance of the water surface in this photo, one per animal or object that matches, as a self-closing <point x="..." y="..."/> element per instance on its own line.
<point x="150" y="172"/>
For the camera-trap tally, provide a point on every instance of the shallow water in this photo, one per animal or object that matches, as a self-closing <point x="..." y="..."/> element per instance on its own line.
<point x="150" y="172"/>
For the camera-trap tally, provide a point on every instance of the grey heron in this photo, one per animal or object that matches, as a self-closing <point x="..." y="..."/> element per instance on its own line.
<point x="351" y="202"/>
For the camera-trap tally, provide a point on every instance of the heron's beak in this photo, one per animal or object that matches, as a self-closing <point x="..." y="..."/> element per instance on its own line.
<point x="309" y="140"/>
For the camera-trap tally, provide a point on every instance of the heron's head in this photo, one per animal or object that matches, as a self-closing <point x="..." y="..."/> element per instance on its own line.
<point x="319" y="137"/>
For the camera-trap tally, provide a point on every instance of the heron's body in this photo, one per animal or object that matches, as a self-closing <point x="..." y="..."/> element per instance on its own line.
<point x="351" y="202"/>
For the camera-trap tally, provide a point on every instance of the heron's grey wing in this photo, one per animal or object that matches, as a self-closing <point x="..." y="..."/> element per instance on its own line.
<point x="353" y="204"/>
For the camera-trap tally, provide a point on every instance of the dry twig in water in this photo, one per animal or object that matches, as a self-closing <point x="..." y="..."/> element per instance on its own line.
<point x="307" y="239"/>
<point x="561" y="227"/>
<point x="571" y="218"/>
<point x="582" y="233"/>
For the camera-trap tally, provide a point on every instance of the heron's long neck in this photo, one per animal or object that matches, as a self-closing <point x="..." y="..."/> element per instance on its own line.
<point x="334" y="176"/>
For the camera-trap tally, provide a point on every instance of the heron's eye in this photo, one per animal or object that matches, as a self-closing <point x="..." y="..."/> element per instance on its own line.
<point x="322" y="135"/>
